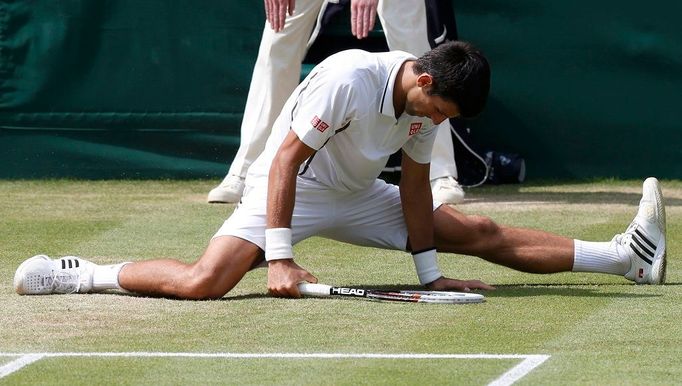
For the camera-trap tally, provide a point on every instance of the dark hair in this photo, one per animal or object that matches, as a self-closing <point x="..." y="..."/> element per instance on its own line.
<point x="460" y="74"/>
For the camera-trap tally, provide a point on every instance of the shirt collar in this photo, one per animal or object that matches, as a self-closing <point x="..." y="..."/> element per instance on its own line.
<point x="386" y="107"/>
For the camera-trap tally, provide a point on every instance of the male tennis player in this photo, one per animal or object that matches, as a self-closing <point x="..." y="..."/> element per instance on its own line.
<point x="318" y="176"/>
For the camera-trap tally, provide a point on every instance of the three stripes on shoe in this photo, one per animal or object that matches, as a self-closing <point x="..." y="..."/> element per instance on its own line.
<point x="643" y="252"/>
<point x="72" y="263"/>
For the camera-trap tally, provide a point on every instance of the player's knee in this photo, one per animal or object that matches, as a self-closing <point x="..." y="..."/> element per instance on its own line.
<point x="483" y="227"/>
<point x="203" y="284"/>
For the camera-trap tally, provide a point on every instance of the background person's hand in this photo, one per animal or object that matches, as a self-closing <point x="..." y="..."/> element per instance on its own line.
<point x="362" y="17"/>
<point x="276" y="12"/>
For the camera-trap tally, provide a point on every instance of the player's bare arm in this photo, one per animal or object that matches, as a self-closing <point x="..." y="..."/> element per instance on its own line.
<point x="283" y="273"/>
<point x="417" y="203"/>
<point x="415" y="194"/>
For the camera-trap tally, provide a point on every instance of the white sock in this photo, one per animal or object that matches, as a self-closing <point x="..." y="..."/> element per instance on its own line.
<point x="602" y="257"/>
<point x="105" y="277"/>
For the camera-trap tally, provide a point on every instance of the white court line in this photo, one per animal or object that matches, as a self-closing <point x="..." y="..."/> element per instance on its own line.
<point x="17" y="364"/>
<point x="519" y="371"/>
<point x="529" y="362"/>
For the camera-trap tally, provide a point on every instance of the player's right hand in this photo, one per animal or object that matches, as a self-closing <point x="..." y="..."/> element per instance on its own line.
<point x="284" y="276"/>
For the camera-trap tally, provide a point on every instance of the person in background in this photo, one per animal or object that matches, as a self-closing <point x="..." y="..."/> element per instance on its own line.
<point x="414" y="26"/>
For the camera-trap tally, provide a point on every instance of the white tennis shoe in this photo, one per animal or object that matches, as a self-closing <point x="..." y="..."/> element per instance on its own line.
<point x="644" y="239"/>
<point x="229" y="191"/>
<point x="41" y="275"/>
<point x="447" y="190"/>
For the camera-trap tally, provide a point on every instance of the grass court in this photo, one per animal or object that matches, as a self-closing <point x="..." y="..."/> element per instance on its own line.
<point x="567" y="329"/>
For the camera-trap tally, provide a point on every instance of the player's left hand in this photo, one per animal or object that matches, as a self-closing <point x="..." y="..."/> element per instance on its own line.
<point x="445" y="284"/>
<point x="362" y="17"/>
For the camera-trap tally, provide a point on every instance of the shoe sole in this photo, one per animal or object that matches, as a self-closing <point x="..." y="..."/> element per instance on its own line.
<point x="659" y="262"/>
<point x="214" y="198"/>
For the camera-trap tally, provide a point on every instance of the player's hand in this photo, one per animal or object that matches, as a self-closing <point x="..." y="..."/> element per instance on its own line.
<point x="284" y="276"/>
<point x="276" y="12"/>
<point x="445" y="284"/>
<point x="362" y="16"/>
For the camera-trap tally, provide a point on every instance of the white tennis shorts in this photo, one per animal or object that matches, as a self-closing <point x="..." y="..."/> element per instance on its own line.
<point x="372" y="217"/>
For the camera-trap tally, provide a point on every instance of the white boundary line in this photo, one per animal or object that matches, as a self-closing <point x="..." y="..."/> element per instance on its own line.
<point x="529" y="363"/>
<point x="519" y="371"/>
<point x="17" y="364"/>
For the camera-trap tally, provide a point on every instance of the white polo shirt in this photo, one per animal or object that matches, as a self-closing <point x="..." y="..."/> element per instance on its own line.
<point x="344" y="110"/>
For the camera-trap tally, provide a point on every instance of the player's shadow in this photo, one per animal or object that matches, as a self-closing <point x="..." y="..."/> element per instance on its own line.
<point x="261" y="295"/>
<point x="528" y="290"/>
<point x="505" y="290"/>
<point x="501" y="291"/>
<point x="566" y="290"/>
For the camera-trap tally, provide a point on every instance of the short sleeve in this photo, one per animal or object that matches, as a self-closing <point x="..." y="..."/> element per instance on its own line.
<point x="420" y="146"/>
<point x="322" y="108"/>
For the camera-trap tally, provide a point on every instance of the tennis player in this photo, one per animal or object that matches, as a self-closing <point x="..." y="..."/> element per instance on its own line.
<point x="318" y="177"/>
<point x="414" y="26"/>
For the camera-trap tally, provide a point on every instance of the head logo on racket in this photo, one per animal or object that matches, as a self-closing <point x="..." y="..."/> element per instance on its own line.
<point x="359" y="292"/>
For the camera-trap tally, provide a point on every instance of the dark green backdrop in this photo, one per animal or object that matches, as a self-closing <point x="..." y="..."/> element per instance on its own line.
<point x="155" y="88"/>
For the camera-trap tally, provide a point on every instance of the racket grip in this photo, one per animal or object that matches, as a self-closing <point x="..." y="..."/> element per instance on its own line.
<point x="314" y="289"/>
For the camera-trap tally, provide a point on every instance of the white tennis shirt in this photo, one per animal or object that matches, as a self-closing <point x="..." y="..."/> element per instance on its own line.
<point x="344" y="110"/>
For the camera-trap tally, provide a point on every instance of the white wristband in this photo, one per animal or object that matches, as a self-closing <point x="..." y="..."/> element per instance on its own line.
<point x="278" y="244"/>
<point x="427" y="266"/>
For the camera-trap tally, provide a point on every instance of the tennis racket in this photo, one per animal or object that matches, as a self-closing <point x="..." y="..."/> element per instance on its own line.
<point x="442" y="297"/>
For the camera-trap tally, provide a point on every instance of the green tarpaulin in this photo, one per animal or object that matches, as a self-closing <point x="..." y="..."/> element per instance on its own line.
<point x="136" y="89"/>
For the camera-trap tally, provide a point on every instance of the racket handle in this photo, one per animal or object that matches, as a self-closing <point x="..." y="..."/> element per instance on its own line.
<point x="314" y="289"/>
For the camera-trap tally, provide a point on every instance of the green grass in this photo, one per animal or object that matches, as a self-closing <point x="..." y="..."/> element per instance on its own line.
<point x="598" y="329"/>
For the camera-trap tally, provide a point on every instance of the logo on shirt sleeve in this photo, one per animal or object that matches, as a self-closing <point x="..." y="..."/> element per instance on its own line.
<point x="319" y="124"/>
<point x="415" y="127"/>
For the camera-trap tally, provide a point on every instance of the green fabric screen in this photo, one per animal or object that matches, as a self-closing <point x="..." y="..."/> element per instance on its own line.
<point x="105" y="89"/>
<point x="156" y="88"/>
<point x="582" y="88"/>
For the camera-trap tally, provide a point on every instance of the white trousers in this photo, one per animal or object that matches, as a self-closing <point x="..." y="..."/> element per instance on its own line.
<point x="278" y="67"/>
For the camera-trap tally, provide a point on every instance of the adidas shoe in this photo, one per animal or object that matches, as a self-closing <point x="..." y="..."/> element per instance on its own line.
<point x="229" y="191"/>
<point x="41" y="275"/>
<point x="447" y="190"/>
<point x="644" y="239"/>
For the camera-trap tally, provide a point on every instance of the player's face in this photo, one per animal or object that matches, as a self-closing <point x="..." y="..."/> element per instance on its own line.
<point x="419" y="103"/>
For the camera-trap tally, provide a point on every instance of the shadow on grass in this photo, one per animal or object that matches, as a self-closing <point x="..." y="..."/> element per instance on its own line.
<point x="608" y="194"/>
<point x="512" y="291"/>
<point x="603" y="197"/>
<point x="575" y="290"/>
<point x="501" y="291"/>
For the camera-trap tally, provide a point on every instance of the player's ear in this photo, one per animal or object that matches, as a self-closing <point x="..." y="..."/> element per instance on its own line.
<point x="424" y="79"/>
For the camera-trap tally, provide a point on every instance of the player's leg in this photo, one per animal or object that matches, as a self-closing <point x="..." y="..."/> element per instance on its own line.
<point x="275" y="75"/>
<point x="526" y="250"/>
<point x="224" y="263"/>
<point x="639" y="253"/>
<point x="221" y="267"/>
